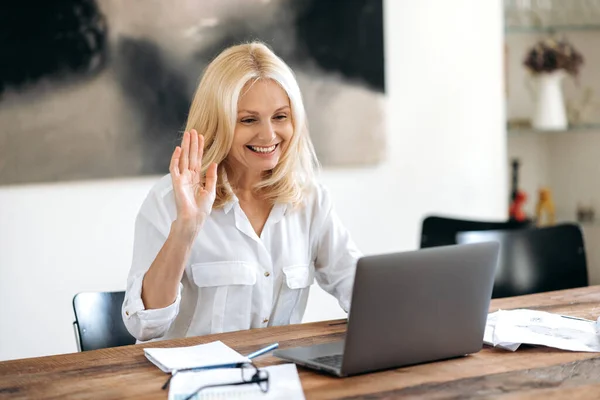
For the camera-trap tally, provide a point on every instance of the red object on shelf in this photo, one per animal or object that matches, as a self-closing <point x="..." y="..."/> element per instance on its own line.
<point x="515" y="210"/>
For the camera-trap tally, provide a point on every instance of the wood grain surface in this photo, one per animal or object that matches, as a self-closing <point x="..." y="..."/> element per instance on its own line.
<point x="530" y="372"/>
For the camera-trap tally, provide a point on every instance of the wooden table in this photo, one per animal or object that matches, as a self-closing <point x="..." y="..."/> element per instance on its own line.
<point x="530" y="372"/>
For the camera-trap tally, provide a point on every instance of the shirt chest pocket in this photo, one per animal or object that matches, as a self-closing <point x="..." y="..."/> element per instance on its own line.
<point x="294" y="295"/>
<point x="225" y="294"/>
<point x="299" y="276"/>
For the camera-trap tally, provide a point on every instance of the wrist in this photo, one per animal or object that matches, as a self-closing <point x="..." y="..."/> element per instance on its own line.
<point x="184" y="230"/>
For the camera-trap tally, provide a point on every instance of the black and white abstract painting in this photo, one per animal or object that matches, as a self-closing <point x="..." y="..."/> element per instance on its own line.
<point x="93" y="89"/>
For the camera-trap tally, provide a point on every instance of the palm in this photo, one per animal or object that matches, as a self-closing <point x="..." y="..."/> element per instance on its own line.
<point x="193" y="199"/>
<point x="190" y="192"/>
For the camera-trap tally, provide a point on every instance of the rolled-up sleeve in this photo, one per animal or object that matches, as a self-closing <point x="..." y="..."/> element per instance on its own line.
<point x="336" y="255"/>
<point x="148" y="240"/>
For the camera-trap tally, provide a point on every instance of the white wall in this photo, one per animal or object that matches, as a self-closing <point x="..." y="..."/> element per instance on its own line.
<point x="447" y="154"/>
<point x="447" y="146"/>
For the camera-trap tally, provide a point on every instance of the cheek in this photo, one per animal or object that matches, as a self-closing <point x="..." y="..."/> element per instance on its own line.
<point x="287" y="131"/>
<point x="241" y="136"/>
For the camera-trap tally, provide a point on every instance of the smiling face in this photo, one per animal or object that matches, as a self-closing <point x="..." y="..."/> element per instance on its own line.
<point x="263" y="128"/>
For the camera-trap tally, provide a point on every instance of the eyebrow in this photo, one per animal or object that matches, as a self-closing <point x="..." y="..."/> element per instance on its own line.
<point x="256" y="113"/>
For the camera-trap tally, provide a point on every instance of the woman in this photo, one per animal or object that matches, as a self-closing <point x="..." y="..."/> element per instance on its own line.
<point x="235" y="235"/>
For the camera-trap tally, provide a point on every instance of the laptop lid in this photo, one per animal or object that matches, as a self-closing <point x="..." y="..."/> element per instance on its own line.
<point x="419" y="306"/>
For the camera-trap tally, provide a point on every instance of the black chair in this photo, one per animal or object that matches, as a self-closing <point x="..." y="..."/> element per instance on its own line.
<point x="441" y="231"/>
<point x="98" y="322"/>
<point x="536" y="260"/>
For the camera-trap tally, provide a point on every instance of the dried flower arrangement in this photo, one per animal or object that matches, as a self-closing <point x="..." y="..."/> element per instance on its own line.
<point x="549" y="55"/>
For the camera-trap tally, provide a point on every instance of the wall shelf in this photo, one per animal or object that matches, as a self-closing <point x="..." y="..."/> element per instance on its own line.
<point x="583" y="224"/>
<point x="547" y="16"/>
<point x="572" y="129"/>
<point x="511" y="30"/>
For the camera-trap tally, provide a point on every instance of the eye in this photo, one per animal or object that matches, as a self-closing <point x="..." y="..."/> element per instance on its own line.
<point x="281" y="117"/>
<point x="248" y="120"/>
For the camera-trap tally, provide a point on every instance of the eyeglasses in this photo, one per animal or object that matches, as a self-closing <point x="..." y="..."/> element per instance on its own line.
<point x="250" y="375"/>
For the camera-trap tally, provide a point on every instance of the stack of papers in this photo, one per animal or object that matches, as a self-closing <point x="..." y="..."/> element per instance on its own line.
<point x="284" y="383"/>
<point x="508" y="329"/>
<point x="203" y="355"/>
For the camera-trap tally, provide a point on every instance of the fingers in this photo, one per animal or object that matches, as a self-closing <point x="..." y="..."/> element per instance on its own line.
<point x="174" y="166"/>
<point x="184" y="160"/>
<point x="200" y="150"/>
<point x="210" y="183"/>
<point x="194" y="164"/>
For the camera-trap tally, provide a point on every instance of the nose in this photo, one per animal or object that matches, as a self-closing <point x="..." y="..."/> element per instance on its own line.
<point x="267" y="132"/>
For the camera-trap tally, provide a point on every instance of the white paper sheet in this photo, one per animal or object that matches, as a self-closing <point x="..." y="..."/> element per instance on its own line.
<point x="511" y="328"/>
<point x="488" y="337"/>
<point x="203" y="355"/>
<point x="284" y="383"/>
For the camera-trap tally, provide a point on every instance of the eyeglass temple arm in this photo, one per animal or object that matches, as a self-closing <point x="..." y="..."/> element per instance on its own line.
<point x="166" y="385"/>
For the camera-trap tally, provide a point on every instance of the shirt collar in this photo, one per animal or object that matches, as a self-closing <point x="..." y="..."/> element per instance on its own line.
<point x="277" y="213"/>
<point x="229" y="205"/>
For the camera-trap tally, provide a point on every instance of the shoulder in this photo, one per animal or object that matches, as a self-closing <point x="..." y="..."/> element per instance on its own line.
<point x="159" y="192"/>
<point x="320" y="196"/>
<point x="159" y="205"/>
<point x="163" y="187"/>
<point x="317" y="211"/>
<point x="317" y="200"/>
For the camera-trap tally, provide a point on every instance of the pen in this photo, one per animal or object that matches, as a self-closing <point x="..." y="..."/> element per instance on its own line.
<point x="235" y="365"/>
<point x="576" y="318"/>
<point x="263" y="351"/>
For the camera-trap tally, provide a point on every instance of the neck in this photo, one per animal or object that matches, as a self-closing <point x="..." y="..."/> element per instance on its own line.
<point x="244" y="190"/>
<point x="244" y="181"/>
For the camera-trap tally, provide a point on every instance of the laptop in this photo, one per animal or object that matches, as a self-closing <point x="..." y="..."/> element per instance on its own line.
<point x="410" y="308"/>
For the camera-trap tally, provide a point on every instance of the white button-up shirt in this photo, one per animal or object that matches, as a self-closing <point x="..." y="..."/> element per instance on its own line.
<point x="235" y="279"/>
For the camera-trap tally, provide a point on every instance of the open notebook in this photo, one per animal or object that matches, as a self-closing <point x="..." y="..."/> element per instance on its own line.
<point x="203" y="355"/>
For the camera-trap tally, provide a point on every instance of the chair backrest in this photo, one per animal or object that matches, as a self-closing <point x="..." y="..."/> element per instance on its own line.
<point x="536" y="260"/>
<point x="98" y="320"/>
<point x="441" y="231"/>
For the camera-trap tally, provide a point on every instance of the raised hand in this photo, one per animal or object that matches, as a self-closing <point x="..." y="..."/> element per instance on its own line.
<point x="194" y="199"/>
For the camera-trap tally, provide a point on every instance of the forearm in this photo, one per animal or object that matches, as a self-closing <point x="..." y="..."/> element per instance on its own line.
<point x="161" y="283"/>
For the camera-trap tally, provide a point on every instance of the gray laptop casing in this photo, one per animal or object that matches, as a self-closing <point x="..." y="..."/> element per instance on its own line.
<point x="412" y="307"/>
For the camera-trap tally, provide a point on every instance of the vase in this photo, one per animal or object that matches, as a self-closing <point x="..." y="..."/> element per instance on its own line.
<point x="549" y="110"/>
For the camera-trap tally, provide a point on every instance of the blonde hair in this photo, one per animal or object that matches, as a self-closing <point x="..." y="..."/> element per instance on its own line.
<point x="213" y="113"/>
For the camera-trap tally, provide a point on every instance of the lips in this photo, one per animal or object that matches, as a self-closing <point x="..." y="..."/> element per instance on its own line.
<point x="263" y="149"/>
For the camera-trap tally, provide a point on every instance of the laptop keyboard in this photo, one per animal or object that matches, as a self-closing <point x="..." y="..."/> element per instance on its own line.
<point x="334" y="360"/>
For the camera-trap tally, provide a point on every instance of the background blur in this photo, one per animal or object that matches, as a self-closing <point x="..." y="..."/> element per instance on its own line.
<point x="407" y="105"/>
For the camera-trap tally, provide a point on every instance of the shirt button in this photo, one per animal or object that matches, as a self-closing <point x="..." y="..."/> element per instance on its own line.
<point x="127" y="313"/>
<point x="267" y="274"/>
<point x="265" y="320"/>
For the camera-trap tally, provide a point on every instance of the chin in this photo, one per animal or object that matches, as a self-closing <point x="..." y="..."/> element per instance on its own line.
<point x="267" y="167"/>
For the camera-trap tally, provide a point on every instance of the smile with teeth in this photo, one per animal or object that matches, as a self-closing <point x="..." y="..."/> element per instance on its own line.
<point x="263" y="150"/>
